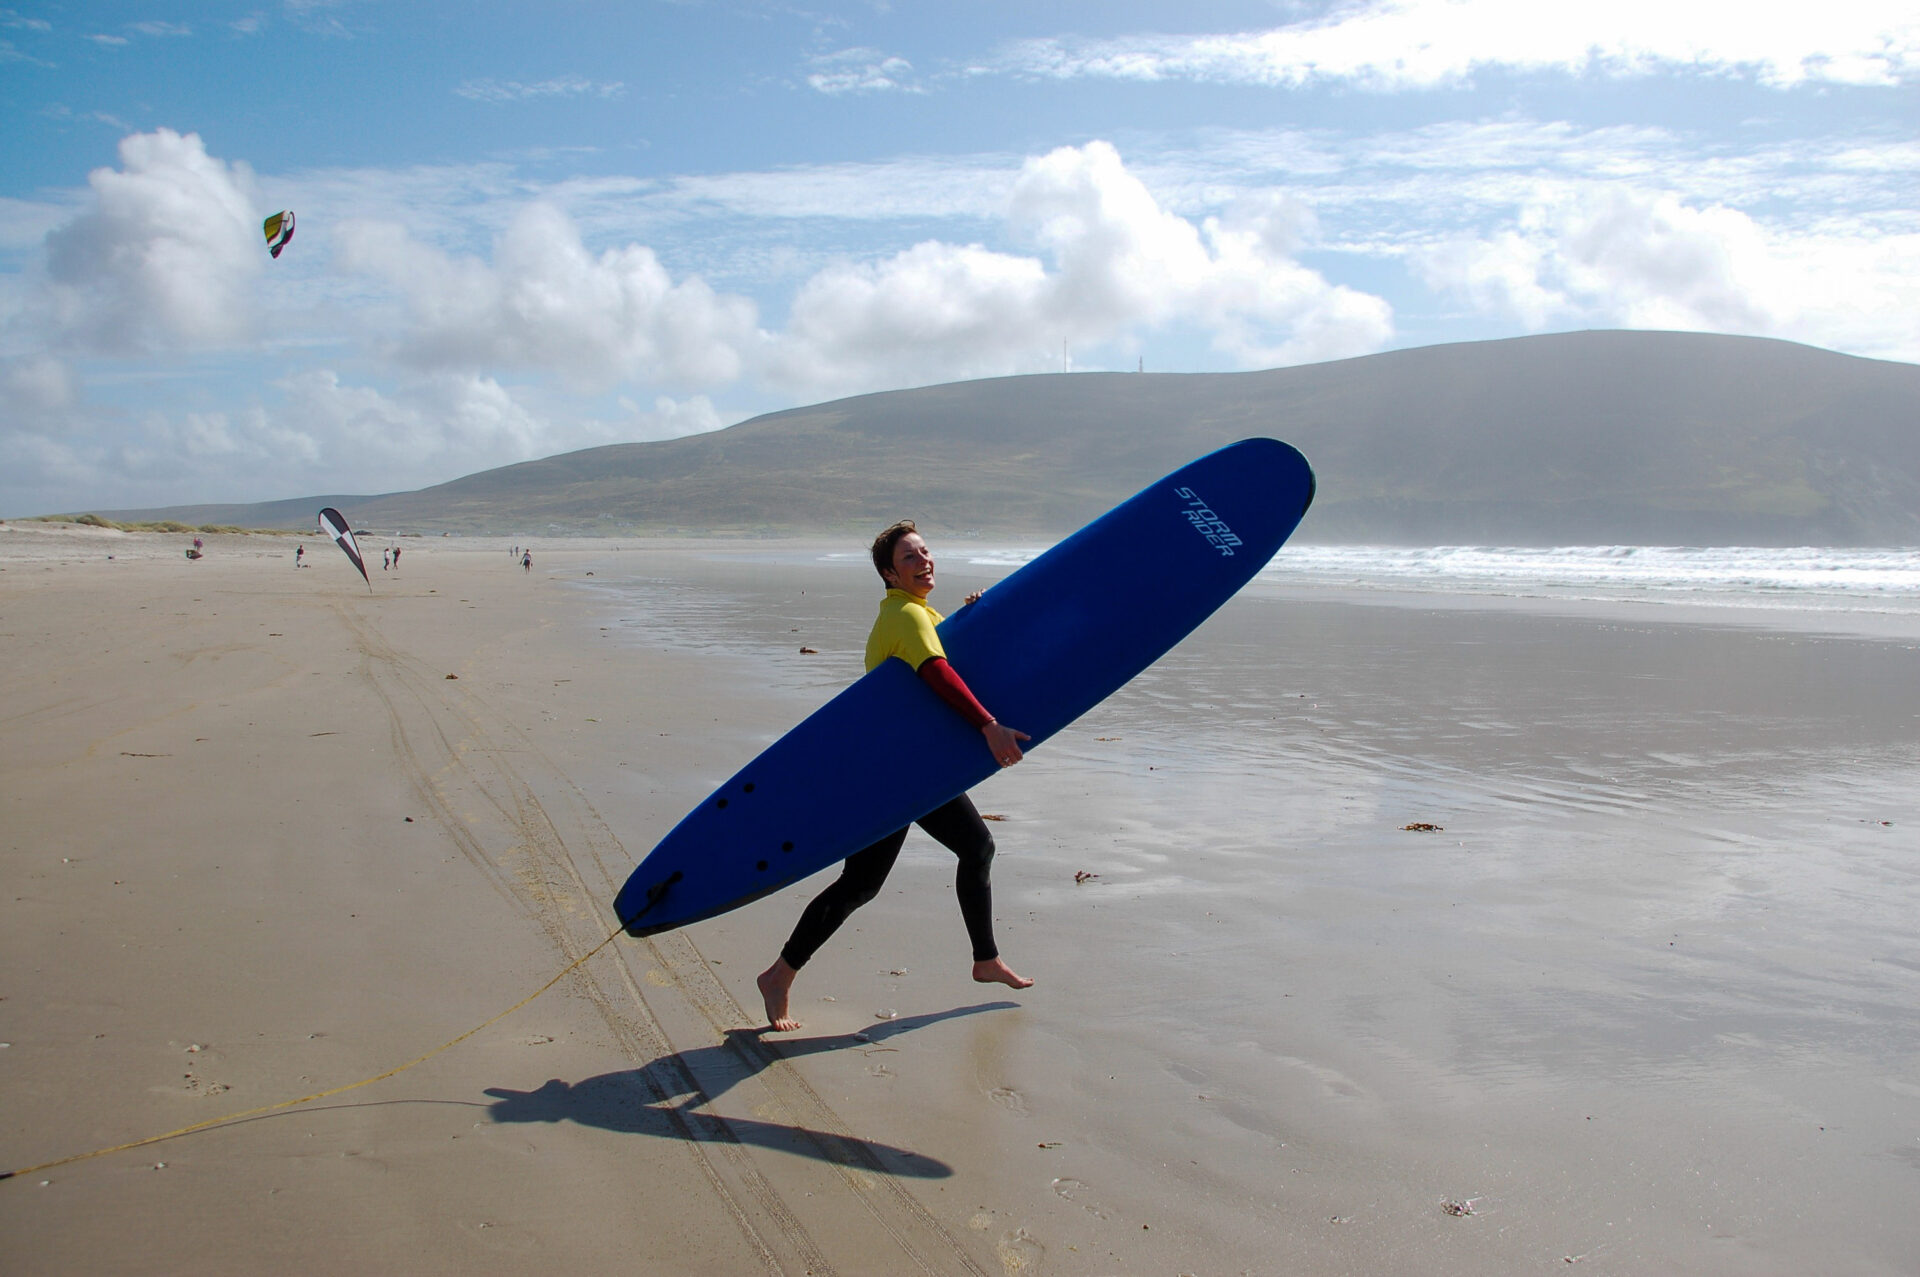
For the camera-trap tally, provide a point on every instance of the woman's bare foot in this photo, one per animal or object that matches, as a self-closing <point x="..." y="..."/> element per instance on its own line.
<point x="775" y="982"/>
<point x="996" y="971"/>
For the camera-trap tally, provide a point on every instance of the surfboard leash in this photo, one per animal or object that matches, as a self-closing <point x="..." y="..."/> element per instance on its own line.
<point x="653" y="898"/>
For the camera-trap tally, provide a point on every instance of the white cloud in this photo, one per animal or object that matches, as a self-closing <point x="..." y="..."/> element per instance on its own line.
<point x="908" y="187"/>
<point x="1406" y="180"/>
<point x="932" y="312"/>
<point x="1658" y="263"/>
<point x="38" y="386"/>
<point x="45" y="474"/>
<point x="1376" y="194"/>
<point x="60" y="111"/>
<point x="860" y="71"/>
<point x="449" y="205"/>
<point x="1424" y="44"/>
<point x="546" y="303"/>
<point x="162" y="259"/>
<point x="24" y="223"/>
<point x="1120" y="264"/>
<point x="1851" y="289"/>
<point x="1120" y="257"/>
<point x="565" y="86"/>
<point x="1266" y="309"/>
<point x="11" y="52"/>
<point x="316" y="17"/>
<point x="432" y="428"/>
<point x="314" y="432"/>
<point x="669" y="418"/>
<point x="1501" y="274"/>
<point x="1617" y="255"/>
<point x="433" y="420"/>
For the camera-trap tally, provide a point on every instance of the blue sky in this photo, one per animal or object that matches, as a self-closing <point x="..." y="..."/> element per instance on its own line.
<point x="524" y="229"/>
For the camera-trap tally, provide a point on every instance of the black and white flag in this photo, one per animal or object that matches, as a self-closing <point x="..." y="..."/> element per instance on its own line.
<point x="334" y="524"/>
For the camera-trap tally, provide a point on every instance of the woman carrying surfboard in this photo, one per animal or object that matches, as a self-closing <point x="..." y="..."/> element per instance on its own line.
<point x="905" y="631"/>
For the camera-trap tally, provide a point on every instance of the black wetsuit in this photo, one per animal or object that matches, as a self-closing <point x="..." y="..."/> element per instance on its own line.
<point x="957" y="827"/>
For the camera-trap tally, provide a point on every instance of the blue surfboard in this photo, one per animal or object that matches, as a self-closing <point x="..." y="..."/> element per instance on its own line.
<point x="1039" y="649"/>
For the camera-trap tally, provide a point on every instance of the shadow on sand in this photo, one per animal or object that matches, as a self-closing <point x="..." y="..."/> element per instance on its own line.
<point x="666" y="1097"/>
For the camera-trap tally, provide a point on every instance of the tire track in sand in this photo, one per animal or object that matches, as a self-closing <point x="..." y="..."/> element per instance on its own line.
<point x="489" y="785"/>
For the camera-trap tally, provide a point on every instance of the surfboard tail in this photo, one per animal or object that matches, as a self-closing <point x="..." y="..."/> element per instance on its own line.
<point x="643" y="901"/>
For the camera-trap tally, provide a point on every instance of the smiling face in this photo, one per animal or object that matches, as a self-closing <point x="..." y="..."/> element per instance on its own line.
<point x="912" y="568"/>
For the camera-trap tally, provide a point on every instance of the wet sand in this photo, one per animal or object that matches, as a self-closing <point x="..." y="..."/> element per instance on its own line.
<point x="1645" y="1000"/>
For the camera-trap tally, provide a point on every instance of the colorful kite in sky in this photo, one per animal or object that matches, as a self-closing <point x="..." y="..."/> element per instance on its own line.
<point x="279" y="229"/>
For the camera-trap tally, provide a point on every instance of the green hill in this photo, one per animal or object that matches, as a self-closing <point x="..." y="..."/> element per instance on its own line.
<point x="1595" y="437"/>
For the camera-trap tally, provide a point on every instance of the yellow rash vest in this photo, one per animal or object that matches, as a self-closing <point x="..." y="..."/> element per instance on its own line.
<point x="904" y="629"/>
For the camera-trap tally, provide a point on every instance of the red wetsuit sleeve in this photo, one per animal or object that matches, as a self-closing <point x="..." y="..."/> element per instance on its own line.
<point x="942" y="678"/>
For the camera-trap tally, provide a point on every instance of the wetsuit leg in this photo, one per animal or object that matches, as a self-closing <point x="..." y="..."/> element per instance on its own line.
<point x="958" y="827"/>
<point x="860" y="880"/>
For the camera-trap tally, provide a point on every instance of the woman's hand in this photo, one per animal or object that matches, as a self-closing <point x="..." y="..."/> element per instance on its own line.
<point x="972" y="598"/>
<point x="1004" y="741"/>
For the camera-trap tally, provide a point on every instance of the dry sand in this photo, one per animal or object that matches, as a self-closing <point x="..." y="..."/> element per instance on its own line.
<point x="1645" y="1002"/>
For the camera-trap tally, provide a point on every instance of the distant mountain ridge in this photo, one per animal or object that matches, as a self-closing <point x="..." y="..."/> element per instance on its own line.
<point x="1577" y="438"/>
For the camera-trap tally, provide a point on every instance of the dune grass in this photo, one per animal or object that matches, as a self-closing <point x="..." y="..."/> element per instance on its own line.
<point x="157" y="525"/>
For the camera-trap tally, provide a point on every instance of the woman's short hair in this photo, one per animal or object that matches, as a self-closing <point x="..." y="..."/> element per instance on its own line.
<point x="884" y="543"/>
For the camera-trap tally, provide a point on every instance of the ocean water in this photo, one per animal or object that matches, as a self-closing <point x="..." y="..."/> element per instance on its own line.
<point x="1884" y="580"/>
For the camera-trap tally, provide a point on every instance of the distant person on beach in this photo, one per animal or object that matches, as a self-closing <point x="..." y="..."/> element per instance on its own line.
<point x="526" y="561"/>
<point x="299" y="554"/>
<point x="396" y="558"/>
<point x="905" y="631"/>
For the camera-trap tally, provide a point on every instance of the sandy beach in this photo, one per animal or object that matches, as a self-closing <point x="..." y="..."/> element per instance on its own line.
<point x="1642" y="999"/>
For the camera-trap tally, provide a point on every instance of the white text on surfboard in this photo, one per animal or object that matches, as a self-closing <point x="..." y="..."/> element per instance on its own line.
<point x="1206" y="522"/>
